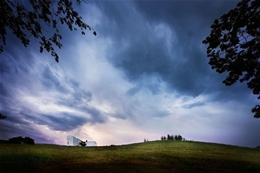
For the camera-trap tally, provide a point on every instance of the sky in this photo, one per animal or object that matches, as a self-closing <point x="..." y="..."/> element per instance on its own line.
<point x="144" y="75"/>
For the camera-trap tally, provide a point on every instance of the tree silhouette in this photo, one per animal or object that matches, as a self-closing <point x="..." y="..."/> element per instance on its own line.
<point x="28" y="19"/>
<point x="168" y="137"/>
<point x="82" y="143"/>
<point x="179" y="138"/>
<point x="163" y="138"/>
<point x="21" y="140"/>
<point x="234" y="46"/>
<point x="2" y="116"/>
<point x="176" y="137"/>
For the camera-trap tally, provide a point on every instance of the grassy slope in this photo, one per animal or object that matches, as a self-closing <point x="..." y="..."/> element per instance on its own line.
<point x="160" y="156"/>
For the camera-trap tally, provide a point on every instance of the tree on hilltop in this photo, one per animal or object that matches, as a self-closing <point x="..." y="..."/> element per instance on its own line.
<point x="163" y="138"/>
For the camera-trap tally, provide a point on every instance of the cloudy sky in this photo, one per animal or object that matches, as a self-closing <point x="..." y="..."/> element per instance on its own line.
<point x="144" y="75"/>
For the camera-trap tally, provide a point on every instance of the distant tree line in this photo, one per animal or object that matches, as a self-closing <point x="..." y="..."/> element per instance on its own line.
<point x="21" y="140"/>
<point x="173" y="137"/>
<point x="169" y="137"/>
<point x="146" y="140"/>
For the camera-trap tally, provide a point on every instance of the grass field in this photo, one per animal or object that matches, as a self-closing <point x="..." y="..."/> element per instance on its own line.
<point x="152" y="157"/>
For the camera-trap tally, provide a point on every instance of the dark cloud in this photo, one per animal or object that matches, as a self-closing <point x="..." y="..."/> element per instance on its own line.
<point x="96" y="116"/>
<point x="49" y="80"/>
<point x="16" y="124"/>
<point x="3" y="91"/>
<point x="133" y="90"/>
<point x="156" y="45"/>
<point x="66" y="122"/>
<point x="3" y="68"/>
<point x="188" y="106"/>
<point x="144" y="57"/>
<point x="79" y="93"/>
<point x="28" y="76"/>
<point x="9" y="129"/>
<point x="139" y="52"/>
<point x="142" y="51"/>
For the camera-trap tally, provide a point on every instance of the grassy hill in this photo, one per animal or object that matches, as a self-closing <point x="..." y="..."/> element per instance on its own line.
<point x="152" y="157"/>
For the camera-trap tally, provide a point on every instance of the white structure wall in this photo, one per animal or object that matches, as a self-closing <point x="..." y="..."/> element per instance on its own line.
<point x="73" y="141"/>
<point x="91" y="143"/>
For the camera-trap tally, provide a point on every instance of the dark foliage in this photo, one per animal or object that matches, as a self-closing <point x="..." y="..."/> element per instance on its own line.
<point x="2" y="116"/>
<point x="234" y="46"/>
<point x="16" y="140"/>
<point x="178" y="137"/>
<point x="4" y="142"/>
<point x="82" y="143"/>
<point x="146" y="140"/>
<point x="21" y="140"/>
<point x="172" y="137"/>
<point x="28" y="140"/>
<point x="26" y="19"/>
<point x="163" y="138"/>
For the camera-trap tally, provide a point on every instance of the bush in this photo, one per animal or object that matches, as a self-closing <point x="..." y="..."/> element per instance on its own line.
<point x="28" y="140"/>
<point x="16" y="140"/>
<point x="21" y="140"/>
<point x="83" y="144"/>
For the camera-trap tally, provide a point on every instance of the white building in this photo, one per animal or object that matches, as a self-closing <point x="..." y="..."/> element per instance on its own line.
<point x="91" y="143"/>
<point x="73" y="141"/>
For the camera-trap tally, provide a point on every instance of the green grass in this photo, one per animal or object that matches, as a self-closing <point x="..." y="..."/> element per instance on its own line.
<point x="152" y="157"/>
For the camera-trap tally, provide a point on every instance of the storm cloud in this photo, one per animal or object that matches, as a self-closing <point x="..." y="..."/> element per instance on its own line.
<point x="144" y="75"/>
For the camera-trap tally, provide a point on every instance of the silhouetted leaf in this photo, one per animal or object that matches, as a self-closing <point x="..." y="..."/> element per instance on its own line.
<point x="234" y="46"/>
<point x="26" y="21"/>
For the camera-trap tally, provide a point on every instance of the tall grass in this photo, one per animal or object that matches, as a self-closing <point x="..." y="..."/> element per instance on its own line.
<point x="158" y="156"/>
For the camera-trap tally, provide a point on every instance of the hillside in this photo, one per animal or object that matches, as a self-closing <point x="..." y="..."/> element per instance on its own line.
<point x="158" y="156"/>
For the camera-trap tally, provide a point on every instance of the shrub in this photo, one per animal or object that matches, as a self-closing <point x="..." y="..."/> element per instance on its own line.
<point x="21" y="140"/>
<point x="83" y="144"/>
